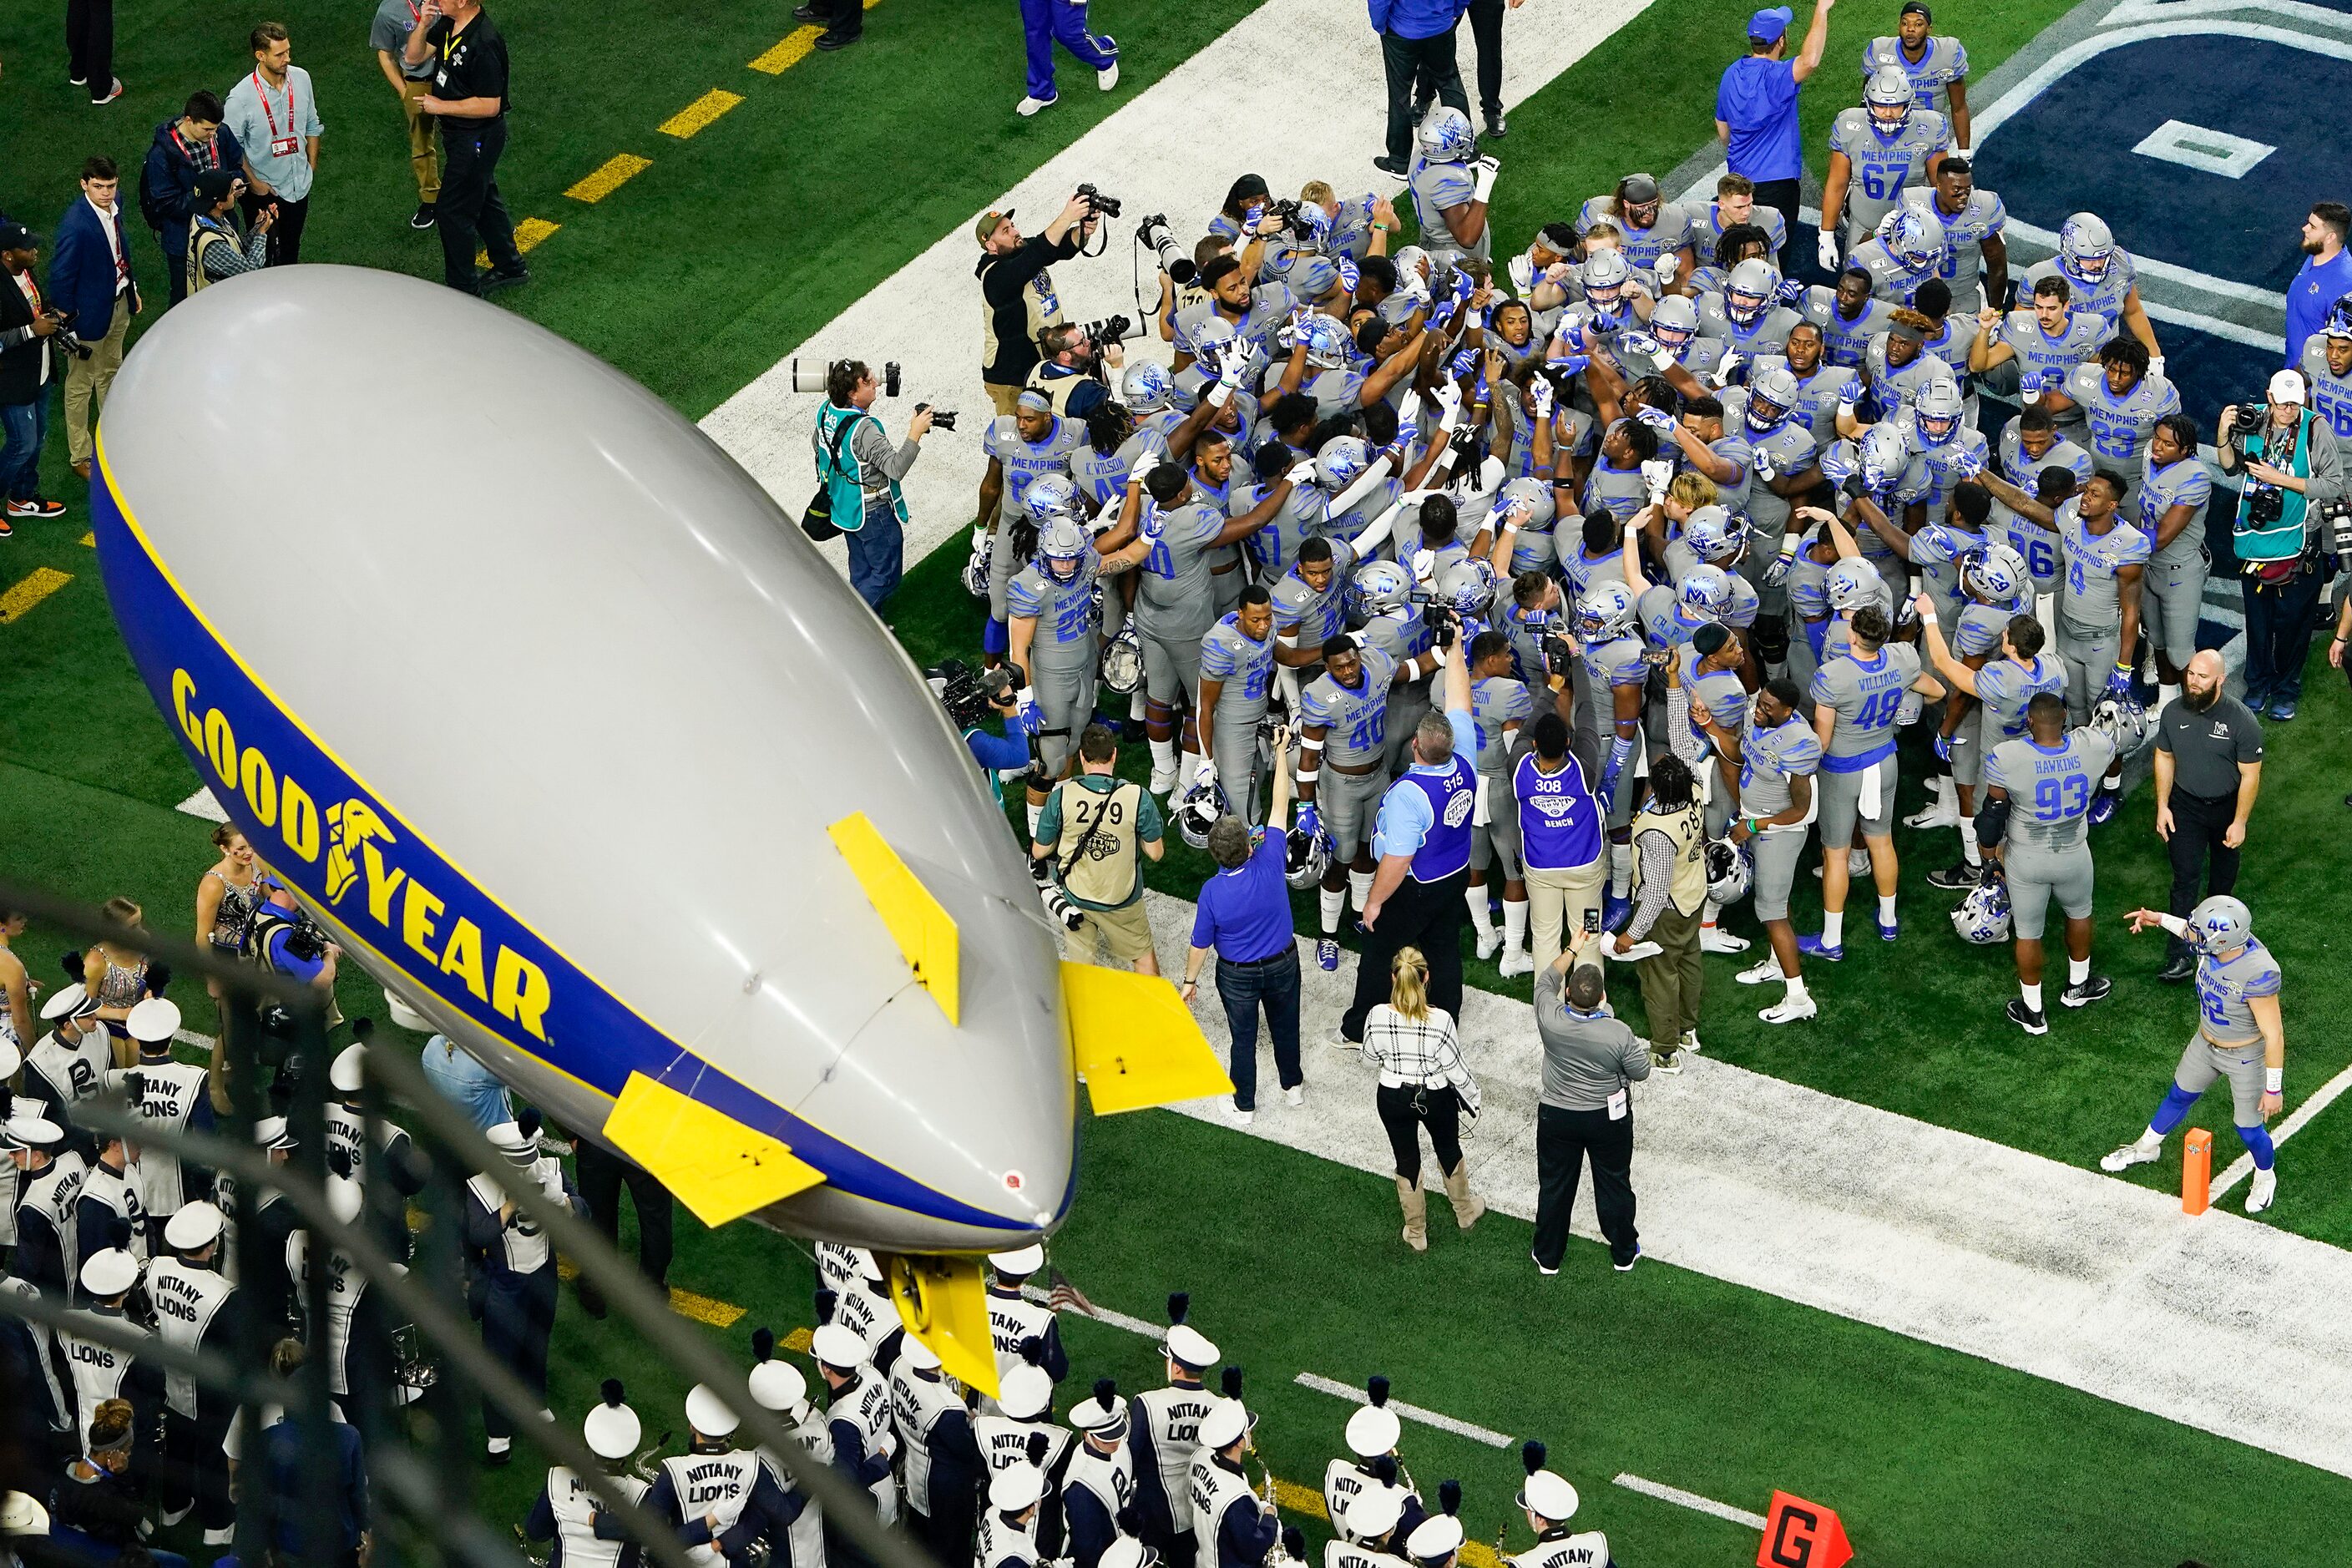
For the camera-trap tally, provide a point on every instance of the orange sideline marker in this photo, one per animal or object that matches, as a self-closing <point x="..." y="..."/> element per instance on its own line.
<point x="2196" y="1172"/>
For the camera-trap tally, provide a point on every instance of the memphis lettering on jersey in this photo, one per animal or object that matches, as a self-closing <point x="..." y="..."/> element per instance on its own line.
<point x="362" y="855"/>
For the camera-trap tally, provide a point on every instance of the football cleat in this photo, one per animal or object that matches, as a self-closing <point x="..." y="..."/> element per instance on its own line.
<point x="1791" y="1010"/>
<point x="1812" y="946"/>
<point x="1327" y="955"/>
<point x="1490" y="942"/>
<point x="1515" y="961"/>
<point x="1889" y="930"/>
<point x="1935" y="814"/>
<point x="1955" y="877"/>
<point x="2028" y="1019"/>
<point x="2263" y="1192"/>
<point x="1715" y="939"/>
<point x="2103" y="807"/>
<point x="2132" y="1153"/>
<point x="1765" y="970"/>
<point x="2094" y="989"/>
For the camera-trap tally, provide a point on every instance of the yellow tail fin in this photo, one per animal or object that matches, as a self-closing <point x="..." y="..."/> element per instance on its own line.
<point x="1135" y="1041"/>
<point x="718" y="1167"/>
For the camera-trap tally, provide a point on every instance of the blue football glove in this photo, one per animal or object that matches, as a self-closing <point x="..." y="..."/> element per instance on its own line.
<point x="1942" y="746"/>
<point x="1655" y="418"/>
<point x="2119" y="681"/>
<point x="1968" y="464"/>
<point x="1309" y="819"/>
<point x="1776" y="571"/>
<point x="1789" y="292"/>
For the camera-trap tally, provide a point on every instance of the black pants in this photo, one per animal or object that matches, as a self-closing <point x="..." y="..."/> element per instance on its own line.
<point x="1487" y="33"/>
<point x="847" y="18"/>
<point x="1563" y="1139"/>
<point x="1405" y="1111"/>
<point x="195" y="1470"/>
<point x="2198" y="824"/>
<point x="90" y="45"/>
<point x="602" y="1176"/>
<point x="1406" y="60"/>
<point x="1427" y="915"/>
<point x="471" y="212"/>
<point x="1784" y="196"/>
<point x="285" y="233"/>
<point x="516" y="1323"/>
<point x="2279" y="623"/>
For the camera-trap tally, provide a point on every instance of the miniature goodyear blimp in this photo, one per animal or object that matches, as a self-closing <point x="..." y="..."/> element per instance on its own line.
<point x="541" y="705"/>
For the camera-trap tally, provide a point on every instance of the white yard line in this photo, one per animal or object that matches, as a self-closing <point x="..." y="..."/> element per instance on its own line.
<point x="2052" y="1270"/>
<point x="1117" y="1319"/>
<point x="202" y="804"/>
<point x="1243" y="92"/>
<point x="1691" y="1501"/>
<point x="1443" y="1423"/>
<point x="2244" y="1165"/>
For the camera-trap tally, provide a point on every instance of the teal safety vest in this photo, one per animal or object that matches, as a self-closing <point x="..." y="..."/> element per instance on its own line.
<point x="2282" y="540"/>
<point x="844" y="480"/>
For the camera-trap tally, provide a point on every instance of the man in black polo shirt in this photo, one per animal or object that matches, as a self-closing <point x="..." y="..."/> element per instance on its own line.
<point x="469" y="97"/>
<point x="1017" y="298"/>
<point x="2208" y="766"/>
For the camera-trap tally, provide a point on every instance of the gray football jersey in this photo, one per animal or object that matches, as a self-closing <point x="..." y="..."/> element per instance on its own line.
<point x="1965" y="233"/>
<point x="2004" y="687"/>
<point x="1901" y="387"/>
<point x="1944" y="61"/>
<point x="1865" y="695"/>
<point x="1269" y="306"/>
<point x="1620" y="490"/>
<point x="2104" y="297"/>
<point x="1845" y="339"/>
<point x="1246" y="668"/>
<point x="1719" y="689"/>
<point x="1174" y="600"/>
<point x="2185" y="483"/>
<point x="2090" y="598"/>
<point x="1707" y="230"/>
<point x="1770" y="335"/>
<point x="1102" y="479"/>
<point x="1435" y="187"/>
<point x="1768" y="759"/>
<point x="2043" y="363"/>
<point x="1817" y="394"/>
<point x="1582" y="571"/>
<point x="1642" y="246"/>
<point x="1304" y="513"/>
<point x="2224" y="987"/>
<point x="1890" y="280"/>
<point x="1732" y="448"/>
<point x="1883" y="165"/>
<point x="2119" y="427"/>
<point x="1355" y="720"/>
<point x="1495" y="701"/>
<point x="1977" y="630"/>
<point x="1025" y="461"/>
<point x="1309" y="619"/>
<point x="2331" y="394"/>
<point x="1065" y="639"/>
<point x="2050" y="788"/>
<point x="1336" y="391"/>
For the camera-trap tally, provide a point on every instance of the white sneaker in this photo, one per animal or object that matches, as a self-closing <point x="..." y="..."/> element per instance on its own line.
<point x="2132" y="1153"/>
<point x="1690" y="1043"/>
<point x="2258" y="1197"/>
<point x="1029" y="106"/>
<point x="1715" y="939"/>
<point x="1108" y="78"/>
<point x="1790" y="1009"/>
<point x="1163" y="779"/>
<point x="1239" y="1117"/>
<point x="1490" y="942"/>
<point x="1936" y="816"/>
<point x="1294" y="1095"/>
<point x="1766" y="968"/>
<point x="1516" y="960"/>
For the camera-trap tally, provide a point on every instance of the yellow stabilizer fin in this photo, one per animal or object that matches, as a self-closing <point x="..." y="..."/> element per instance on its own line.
<point x="1135" y="1041"/>
<point x="943" y="1301"/>
<point x="925" y="933"/>
<point x="718" y="1167"/>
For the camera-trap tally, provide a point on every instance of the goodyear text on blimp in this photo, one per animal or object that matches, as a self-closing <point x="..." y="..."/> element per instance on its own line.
<point x="362" y="852"/>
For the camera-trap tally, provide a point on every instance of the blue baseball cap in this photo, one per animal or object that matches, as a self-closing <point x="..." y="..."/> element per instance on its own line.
<point x="1767" y="26"/>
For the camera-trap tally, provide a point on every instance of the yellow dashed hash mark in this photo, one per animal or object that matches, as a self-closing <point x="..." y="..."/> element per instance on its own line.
<point x="618" y="171"/>
<point x="528" y="234"/>
<point x="91" y="540"/>
<point x="19" y="599"/>
<point x="792" y="48"/>
<point x="690" y="119"/>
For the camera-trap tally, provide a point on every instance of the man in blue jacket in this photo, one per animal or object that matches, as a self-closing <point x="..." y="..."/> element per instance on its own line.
<point x="90" y="282"/>
<point x="1416" y="42"/>
<point x="182" y="149"/>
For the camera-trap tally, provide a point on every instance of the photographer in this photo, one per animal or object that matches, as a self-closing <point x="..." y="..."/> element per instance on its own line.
<point x="213" y="249"/>
<point x="27" y="325"/>
<point x="1092" y="838"/>
<point x="970" y="699"/>
<point x="1071" y="375"/>
<point x="2289" y="461"/>
<point x="860" y="470"/>
<point x="1017" y="298"/>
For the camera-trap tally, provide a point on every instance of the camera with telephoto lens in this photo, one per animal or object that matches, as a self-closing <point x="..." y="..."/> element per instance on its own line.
<point x="2335" y="531"/>
<point x="1153" y="233"/>
<point x="810" y="376"/>
<point x="1057" y="903"/>
<point x="1110" y="330"/>
<point x="1288" y="212"/>
<point x="942" y="418"/>
<point x="1097" y="202"/>
<point x="64" y="339"/>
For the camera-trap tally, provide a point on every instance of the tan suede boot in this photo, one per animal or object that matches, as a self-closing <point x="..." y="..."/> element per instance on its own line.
<point x="1415" y="1203"/>
<point x="1468" y="1204"/>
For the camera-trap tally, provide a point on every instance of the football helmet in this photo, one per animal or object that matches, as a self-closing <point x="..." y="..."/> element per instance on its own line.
<point x="1602" y="278"/>
<point x="1378" y="587"/>
<point x="1204" y="803"/>
<point x="1446" y="136"/>
<point x="1881" y="456"/>
<point x="1729" y="870"/>
<point x="1604" y="611"/>
<point x="2085" y="246"/>
<point x="1705" y="592"/>
<point x="1996" y="573"/>
<point x="1467" y="586"/>
<point x="1914" y="236"/>
<point x="1771" y="396"/>
<point x="1887" y="98"/>
<point x="2122" y="720"/>
<point x="1939" y="411"/>
<point x="1050" y="497"/>
<point x="1983" y="916"/>
<point x="1121" y="665"/>
<point x="1850" y="585"/>
<point x="1715" y="535"/>
<point x="2220" y="924"/>
<point x="1675" y="323"/>
<point x="1145" y="388"/>
<point x="2339" y="321"/>
<point x="1062" y="548"/>
<point x="1306" y="856"/>
<point x="1750" y="290"/>
<point x="1537" y="493"/>
<point x="975" y="566"/>
<point x="1341" y="462"/>
<point x="1213" y="340"/>
<point x="1325" y="338"/>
